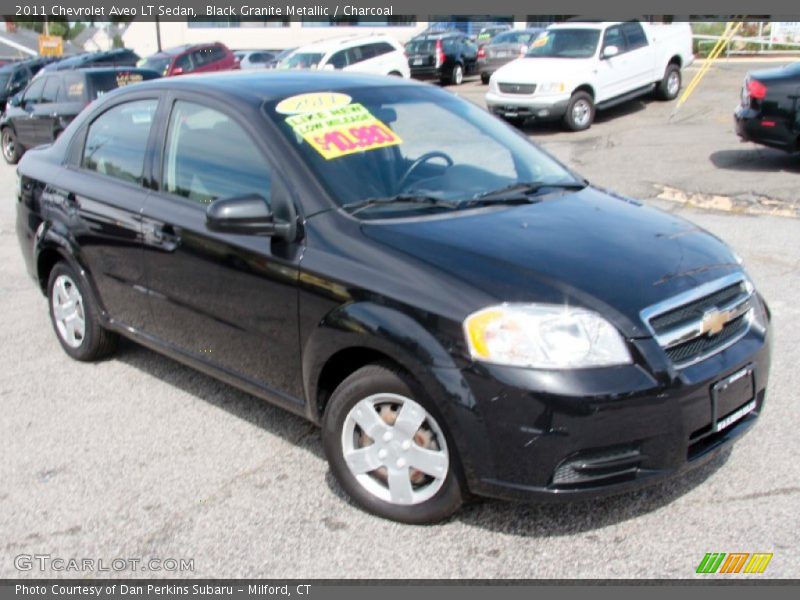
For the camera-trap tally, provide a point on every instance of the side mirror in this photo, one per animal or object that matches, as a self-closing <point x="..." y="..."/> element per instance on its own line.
<point x="15" y="100"/>
<point x="610" y="51"/>
<point x="328" y="67"/>
<point x="247" y="215"/>
<point x="177" y="71"/>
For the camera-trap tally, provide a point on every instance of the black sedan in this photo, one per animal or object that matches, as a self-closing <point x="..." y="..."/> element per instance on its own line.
<point x="769" y="113"/>
<point x="456" y="309"/>
<point x="39" y="114"/>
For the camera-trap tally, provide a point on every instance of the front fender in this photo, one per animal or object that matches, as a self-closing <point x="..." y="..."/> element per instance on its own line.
<point x="366" y="325"/>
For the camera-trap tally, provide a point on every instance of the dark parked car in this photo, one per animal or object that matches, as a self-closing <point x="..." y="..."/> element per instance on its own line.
<point x="769" y="113"/>
<point x="457" y="310"/>
<point x="503" y="48"/>
<point x="486" y="34"/>
<point x="197" y="58"/>
<point x="446" y="56"/>
<point x="15" y="76"/>
<point x="39" y="114"/>
<point x="120" y="57"/>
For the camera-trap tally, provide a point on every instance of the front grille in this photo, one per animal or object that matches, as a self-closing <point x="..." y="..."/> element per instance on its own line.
<point x="517" y="88"/>
<point x="695" y="310"/>
<point x="703" y="321"/>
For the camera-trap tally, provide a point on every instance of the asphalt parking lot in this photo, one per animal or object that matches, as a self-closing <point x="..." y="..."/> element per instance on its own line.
<point x="139" y="456"/>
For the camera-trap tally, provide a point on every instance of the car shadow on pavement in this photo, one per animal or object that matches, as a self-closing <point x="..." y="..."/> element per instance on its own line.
<point x="272" y="419"/>
<point x="513" y="518"/>
<point x="756" y="159"/>
<point x="544" y="128"/>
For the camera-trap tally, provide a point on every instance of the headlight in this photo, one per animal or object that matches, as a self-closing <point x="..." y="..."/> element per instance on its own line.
<point x="544" y="336"/>
<point x="554" y="87"/>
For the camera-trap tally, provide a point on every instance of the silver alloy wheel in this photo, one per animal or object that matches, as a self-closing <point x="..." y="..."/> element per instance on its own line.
<point x="458" y="76"/>
<point x="581" y="112"/>
<point x="673" y="83"/>
<point x="8" y="145"/>
<point x="68" y="311"/>
<point x="395" y="449"/>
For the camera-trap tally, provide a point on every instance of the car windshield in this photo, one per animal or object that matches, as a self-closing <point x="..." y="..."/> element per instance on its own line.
<point x="565" y="43"/>
<point x="410" y="143"/>
<point x="301" y="60"/>
<point x="158" y="63"/>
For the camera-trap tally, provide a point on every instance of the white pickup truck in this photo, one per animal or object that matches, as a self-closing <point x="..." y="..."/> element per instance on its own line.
<point x="573" y="69"/>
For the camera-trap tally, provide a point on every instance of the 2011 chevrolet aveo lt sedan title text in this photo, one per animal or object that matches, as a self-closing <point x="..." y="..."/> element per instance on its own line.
<point x="457" y="310"/>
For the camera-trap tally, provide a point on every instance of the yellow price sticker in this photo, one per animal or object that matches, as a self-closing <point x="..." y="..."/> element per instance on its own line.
<point x="342" y="131"/>
<point x="539" y="42"/>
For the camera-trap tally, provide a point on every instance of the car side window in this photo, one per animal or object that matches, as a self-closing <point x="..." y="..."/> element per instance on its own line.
<point x="73" y="89"/>
<point x="116" y="142"/>
<point x="209" y="156"/>
<point x="50" y="90"/>
<point x="34" y="92"/>
<point x="185" y="62"/>
<point x="614" y="37"/>
<point x="634" y="34"/>
<point x="339" y="59"/>
<point x="382" y="48"/>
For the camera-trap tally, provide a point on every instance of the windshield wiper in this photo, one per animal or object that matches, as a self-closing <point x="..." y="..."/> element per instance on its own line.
<point x="521" y="192"/>
<point x="356" y="207"/>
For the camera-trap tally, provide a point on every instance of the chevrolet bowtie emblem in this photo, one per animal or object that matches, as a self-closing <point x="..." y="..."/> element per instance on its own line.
<point x="714" y="321"/>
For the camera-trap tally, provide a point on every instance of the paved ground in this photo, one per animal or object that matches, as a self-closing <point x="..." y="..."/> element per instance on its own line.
<point x="139" y="456"/>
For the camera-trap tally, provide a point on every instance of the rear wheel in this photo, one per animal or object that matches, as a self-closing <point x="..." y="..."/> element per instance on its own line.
<point x="580" y="112"/>
<point x="485" y="77"/>
<point x="670" y="85"/>
<point x="456" y="75"/>
<point x="11" y="149"/>
<point x="74" y="316"/>
<point x="387" y="447"/>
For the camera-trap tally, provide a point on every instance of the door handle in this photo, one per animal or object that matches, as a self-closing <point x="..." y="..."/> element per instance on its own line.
<point x="166" y="237"/>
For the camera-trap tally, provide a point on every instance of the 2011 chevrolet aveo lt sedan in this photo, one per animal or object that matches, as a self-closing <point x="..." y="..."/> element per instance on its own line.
<point x="457" y="310"/>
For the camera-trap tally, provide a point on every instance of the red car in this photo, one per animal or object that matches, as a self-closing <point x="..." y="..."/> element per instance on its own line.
<point x="191" y="58"/>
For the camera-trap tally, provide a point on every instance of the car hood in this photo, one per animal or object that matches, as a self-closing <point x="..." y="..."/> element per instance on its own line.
<point x="538" y="70"/>
<point x="590" y="248"/>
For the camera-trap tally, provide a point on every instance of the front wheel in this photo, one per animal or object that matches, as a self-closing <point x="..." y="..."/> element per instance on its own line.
<point x="11" y="148"/>
<point x="670" y="85"/>
<point x="388" y="448"/>
<point x="580" y="112"/>
<point x="485" y="77"/>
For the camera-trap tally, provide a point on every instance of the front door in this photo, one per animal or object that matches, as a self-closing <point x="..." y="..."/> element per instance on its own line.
<point x="24" y="125"/>
<point x="44" y="113"/>
<point x="227" y="299"/>
<point x="614" y="72"/>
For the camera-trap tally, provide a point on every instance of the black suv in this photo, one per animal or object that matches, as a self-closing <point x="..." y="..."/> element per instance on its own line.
<point x="120" y="57"/>
<point x="39" y="114"/>
<point x="447" y="56"/>
<point x="15" y="76"/>
<point x="769" y="113"/>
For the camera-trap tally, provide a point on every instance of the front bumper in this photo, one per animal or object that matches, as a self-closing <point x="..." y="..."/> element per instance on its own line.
<point x="551" y="435"/>
<point x="527" y="106"/>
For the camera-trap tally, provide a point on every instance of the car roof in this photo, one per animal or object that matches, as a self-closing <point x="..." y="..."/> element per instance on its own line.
<point x="326" y="46"/>
<point x="583" y="25"/>
<point x="256" y="87"/>
<point x="435" y="35"/>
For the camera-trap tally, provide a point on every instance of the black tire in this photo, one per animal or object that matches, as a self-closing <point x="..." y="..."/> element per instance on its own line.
<point x="395" y="74"/>
<point x="457" y="75"/>
<point x="670" y="86"/>
<point x="579" y="120"/>
<point x="383" y="378"/>
<point x="96" y="342"/>
<point x="485" y="77"/>
<point x="515" y="121"/>
<point x="12" y="151"/>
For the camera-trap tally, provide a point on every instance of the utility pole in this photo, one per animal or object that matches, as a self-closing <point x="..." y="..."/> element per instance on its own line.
<point x="158" y="34"/>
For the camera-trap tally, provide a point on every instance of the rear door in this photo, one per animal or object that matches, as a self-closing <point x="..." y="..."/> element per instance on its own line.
<point x="103" y="193"/>
<point x="641" y="54"/>
<point x="228" y="300"/>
